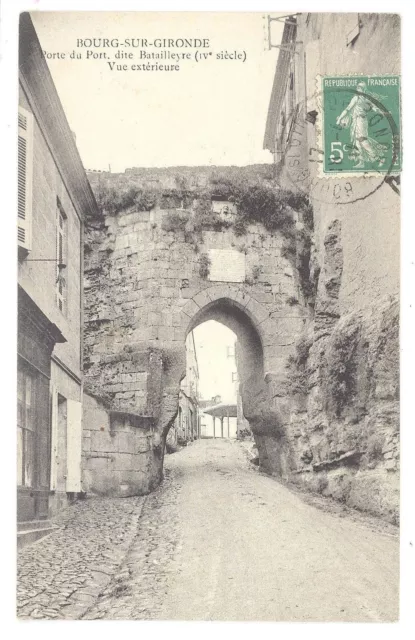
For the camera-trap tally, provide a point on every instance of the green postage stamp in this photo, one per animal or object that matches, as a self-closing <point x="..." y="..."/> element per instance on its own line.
<point x="361" y="124"/>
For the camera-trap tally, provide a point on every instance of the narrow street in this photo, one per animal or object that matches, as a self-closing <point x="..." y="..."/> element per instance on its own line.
<point x="217" y="541"/>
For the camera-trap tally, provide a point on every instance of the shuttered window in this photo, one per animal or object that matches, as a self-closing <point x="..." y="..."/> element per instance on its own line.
<point x="25" y="173"/>
<point x="61" y="241"/>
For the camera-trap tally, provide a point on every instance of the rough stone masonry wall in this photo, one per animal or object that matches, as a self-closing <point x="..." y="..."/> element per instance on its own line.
<point x="117" y="453"/>
<point x="146" y="286"/>
<point x="343" y="437"/>
<point x="354" y="361"/>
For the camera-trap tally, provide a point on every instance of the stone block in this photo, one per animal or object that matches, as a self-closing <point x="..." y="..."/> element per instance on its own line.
<point x="125" y="442"/>
<point x="164" y="333"/>
<point x="273" y="364"/>
<point x="114" y="388"/>
<point x="95" y="416"/>
<point x="124" y="461"/>
<point x="188" y="293"/>
<point x="167" y="318"/>
<point x="202" y="298"/>
<point x="220" y="291"/>
<point x="167" y="292"/>
<point x="268" y="335"/>
<point x="179" y="333"/>
<point x="98" y="464"/>
<point x="101" y="441"/>
<point x="190" y="308"/>
<point x="86" y="442"/>
<point x="240" y="296"/>
<point x="121" y="242"/>
<point x="257" y="310"/>
<point x="263" y="297"/>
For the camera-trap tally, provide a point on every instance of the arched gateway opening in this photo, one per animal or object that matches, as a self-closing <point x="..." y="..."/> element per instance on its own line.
<point x="234" y="316"/>
<point x="215" y="375"/>
<point x="252" y="327"/>
<point x="221" y="321"/>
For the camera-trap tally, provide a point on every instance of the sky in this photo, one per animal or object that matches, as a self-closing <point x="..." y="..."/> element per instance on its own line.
<point x="209" y="112"/>
<point x="215" y="366"/>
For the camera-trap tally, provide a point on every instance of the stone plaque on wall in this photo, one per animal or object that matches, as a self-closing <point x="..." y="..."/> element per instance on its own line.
<point x="226" y="265"/>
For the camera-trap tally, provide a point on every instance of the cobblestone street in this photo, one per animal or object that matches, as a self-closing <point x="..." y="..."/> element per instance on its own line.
<point x="217" y="541"/>
<point x="61" y="575"/>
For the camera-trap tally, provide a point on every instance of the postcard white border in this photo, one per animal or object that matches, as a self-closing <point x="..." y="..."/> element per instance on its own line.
<point x="404" y="629"/>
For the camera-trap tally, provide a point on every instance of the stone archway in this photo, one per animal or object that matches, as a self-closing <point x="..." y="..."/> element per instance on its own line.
<point x="231" y="313"/>
<point x="259" y="356"/>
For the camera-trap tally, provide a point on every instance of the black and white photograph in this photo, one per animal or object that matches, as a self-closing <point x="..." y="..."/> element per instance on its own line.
<point x="208" y="210"/>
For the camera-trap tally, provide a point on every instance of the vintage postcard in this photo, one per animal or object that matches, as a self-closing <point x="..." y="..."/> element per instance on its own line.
<point x="208" y="316"/>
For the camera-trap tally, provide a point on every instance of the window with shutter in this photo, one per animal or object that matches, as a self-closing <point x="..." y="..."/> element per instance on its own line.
<point x="61" y="252"/>
<point x="25" y="172"/>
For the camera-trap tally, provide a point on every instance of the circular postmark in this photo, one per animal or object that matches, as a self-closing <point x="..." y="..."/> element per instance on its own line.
<point x="346" y="147"/>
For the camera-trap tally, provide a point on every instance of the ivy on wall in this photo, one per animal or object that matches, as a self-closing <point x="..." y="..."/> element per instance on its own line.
<point x="204" y="265"/>
<point x="257" y="201"/>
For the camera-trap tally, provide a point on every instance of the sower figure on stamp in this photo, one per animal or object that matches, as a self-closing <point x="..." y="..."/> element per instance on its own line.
<point x="355" y="116"/>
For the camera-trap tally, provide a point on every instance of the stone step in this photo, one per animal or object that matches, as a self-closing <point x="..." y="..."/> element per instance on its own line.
<point x="27" y="534"/>
<point x="33" y="524"/>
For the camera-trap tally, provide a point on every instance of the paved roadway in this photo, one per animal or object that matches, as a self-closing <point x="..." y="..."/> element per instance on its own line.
<point x="220" y="541"/>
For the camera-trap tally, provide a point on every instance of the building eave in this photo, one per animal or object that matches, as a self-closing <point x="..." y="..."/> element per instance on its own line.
<point x="40" y="90"/>
<point x="222" y="410"/>
<point x="279" y="85"/>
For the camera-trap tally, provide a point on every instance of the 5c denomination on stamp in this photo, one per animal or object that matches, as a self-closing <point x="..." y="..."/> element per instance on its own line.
<point x="355" y="144"/>
<point x="361" y="124"/>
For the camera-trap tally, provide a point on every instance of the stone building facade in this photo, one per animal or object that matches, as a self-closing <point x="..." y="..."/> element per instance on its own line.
<point x="343" y="438"/>
<point x="186" y="427"/>
<point x="54" y="197"/>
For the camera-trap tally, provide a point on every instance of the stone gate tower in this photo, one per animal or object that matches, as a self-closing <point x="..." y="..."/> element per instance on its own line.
<point x="151" y="278"/>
